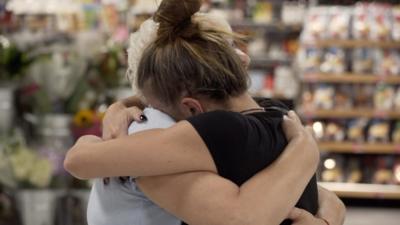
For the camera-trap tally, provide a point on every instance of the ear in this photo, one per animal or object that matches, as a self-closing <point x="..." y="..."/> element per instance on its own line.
<point x="191" y="107"/>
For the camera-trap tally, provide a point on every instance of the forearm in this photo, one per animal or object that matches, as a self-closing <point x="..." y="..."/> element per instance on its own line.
<point x="132" y="101"/>
<point x="331" y="208"/>
<point x="148" y="153"/>
<point x="276" y="189"/>
<point x="204" y="198"/>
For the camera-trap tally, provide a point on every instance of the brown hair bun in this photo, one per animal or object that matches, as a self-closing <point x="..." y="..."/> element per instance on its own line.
<point x="175" y="18"/>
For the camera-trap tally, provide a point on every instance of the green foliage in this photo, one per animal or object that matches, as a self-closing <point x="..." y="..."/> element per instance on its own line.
<point x="13" y="62"/>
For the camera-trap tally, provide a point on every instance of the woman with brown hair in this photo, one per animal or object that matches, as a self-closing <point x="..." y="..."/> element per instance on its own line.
<point x="194" y="75"/>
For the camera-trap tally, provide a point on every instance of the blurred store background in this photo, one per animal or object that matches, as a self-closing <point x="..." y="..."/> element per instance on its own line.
<point x="63" y="62"/>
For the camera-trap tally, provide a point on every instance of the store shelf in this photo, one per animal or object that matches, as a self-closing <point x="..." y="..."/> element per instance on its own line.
<point x="350" y="113"/>
<point x="365" y="191"/>
<point x="266" y="26"/>
<point x="359" y="148"/>
<point x="259" y="62"/>
<point x="349" y="78"/>
<point x="354" y="44"/>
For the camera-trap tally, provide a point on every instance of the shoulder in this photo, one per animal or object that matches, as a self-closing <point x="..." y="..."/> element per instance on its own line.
<point x="218" y="128"/>
<point x="155" y="120"/>
<point x="218" y="119"/>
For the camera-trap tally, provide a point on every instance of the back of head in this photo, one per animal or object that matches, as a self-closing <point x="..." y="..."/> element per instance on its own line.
<point x="174" y="17"/>
<point x="189" y="58"/>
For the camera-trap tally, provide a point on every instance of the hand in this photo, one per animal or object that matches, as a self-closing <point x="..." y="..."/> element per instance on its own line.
<point x="331" y="208"/>
<point x="292" y="126"/>
<point x="302" y="137"/>
<point x="302" y="217"/>
<point x="88" y="139"/>
<point x="118" y="118"/>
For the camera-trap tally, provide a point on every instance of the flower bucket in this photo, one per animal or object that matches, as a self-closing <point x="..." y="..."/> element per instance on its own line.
<point x="6" y="108"/>
<point x="37" y="206"/>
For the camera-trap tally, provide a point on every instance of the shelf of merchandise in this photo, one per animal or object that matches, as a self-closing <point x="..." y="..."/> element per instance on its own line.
<point x="355" y="44"/>
<point x="265" y="62"/>
<point x="275" y="26"/>
<point x="360" y="148"/>
<point x="349" y="113"/>
<point x="364" y="191"/>
<point x="349" y="78"/>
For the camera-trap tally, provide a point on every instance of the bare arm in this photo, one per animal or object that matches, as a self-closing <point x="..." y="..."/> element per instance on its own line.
<point x="205" y="198"/>
<point x="155" y="152"/>
<point x="331" y="208"/>
<point x="132" y="101"/>
<point x="120" y="115"/>
<point x="180" y="149"/>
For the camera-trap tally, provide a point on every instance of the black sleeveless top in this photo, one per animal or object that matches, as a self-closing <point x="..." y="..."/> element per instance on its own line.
<point x="242" y="145"/>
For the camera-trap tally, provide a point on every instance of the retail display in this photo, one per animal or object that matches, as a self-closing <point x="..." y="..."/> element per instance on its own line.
<point x="349" y="61"/>
<point x="273" y="30"/>
<point x="351" y="169"/>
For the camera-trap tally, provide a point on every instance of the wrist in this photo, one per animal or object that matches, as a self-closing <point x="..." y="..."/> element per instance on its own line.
<point x="307" y="148"/>
<point x="119" y="105"/>
<point x="325" y="221"/>
<point x="136" y="101"/>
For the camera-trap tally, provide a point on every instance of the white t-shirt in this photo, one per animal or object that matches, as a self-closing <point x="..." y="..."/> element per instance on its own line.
<point x="123" y="203"/>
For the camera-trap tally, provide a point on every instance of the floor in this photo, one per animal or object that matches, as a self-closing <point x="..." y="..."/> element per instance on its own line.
<point x="372" y="216"/>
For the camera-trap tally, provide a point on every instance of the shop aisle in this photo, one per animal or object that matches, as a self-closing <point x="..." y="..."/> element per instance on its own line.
<point x="372" y="216"/>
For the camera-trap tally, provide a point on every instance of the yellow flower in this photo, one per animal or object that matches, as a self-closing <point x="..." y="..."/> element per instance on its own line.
<point x="84" y="118"/>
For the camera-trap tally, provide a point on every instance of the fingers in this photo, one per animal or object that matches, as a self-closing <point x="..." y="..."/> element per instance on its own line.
<point x="117" y="121"/>
<point x="294" y="116"/>
<point x="136" y="114"/>
<point x="89" y="139"/>
<point x="291" y="127"/>
<point x="295" y="214"/>
<point x="311" y="132"/>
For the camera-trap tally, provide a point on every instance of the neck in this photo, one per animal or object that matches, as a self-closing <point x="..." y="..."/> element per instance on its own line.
<point x="236" y="104"/>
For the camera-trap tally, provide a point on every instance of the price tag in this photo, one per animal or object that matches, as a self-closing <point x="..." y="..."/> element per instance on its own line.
<point x="308" y="114"/>
<point x="357" y="148"/>
<point x="382" y="78"/>
<point x="397" y="149"/>
<point x="379" y="195"/>
<point x="381" y="114"/>
<point x="312" y="77"/>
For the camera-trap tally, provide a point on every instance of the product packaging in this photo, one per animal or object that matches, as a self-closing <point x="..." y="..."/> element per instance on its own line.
<point x="384" y="97"/>
<point x="362" y="95"/>
<point x="343" y="97"/>
<point x="324" y="97"/>
<point x="361" y="26"/>
<point x="339" y="23"/>
<point x="381" y="24"/>
<point x="307" y="98"/>
<point x="379" y="131"/>
<point x="312" y="59"/>
<point x="333" y="169"/>
<point x="316" y="24"/>
<point x="334" y="131"/>
<point x="334" y="61"/>
<point x="384" y="173"/>
<point x="363" y="61"/>
<point x="396" y="133"/>
<point x="397" y="100"/>
<point x="354" y="173"/>
<point x="387" y="62"/>
<point x="356" y="130"/>
<point x="396" y="23"/>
